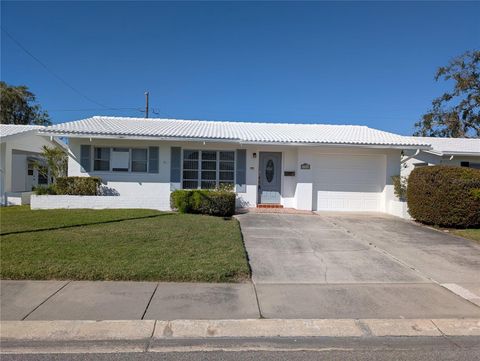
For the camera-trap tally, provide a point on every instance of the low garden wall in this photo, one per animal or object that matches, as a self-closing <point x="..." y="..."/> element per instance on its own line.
<point x="98" y="202"/>
<point x="399" y="209"/>
<point x="17" y="198"/>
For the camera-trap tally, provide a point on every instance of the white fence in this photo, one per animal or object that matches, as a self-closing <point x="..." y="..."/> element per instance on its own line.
<point x="99" y="202"/>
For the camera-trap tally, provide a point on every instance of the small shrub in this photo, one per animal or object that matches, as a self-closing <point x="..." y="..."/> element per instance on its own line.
<point x="45" y="190"/>
<point x="216" y="203"/>
<point x="181" y="201"/>
<point x="400" y="187"/>
<point x="78" y="186"/>
<point x="212" y="202"/>
<point x="445" y="196"/>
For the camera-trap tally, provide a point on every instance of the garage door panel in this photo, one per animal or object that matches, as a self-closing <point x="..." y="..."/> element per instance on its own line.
<point x="348" y="187"/>
<point x="351" y="201"/>
<point x="348" y="183"/>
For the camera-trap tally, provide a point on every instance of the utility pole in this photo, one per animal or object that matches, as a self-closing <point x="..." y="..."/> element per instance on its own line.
<point x="146" y="104"/>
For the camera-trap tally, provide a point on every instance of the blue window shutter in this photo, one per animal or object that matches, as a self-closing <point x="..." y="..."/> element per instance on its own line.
<point x="85" y="158"/>
<point x="241" y="173"/>
<point x="175" y="166"/>
<point x="153" y="159"/>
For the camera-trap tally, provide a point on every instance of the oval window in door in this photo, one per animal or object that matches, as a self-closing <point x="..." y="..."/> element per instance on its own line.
<point x="269" y="169"/>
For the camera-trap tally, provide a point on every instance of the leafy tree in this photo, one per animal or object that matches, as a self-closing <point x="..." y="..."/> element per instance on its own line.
<point x="56" y="162"/>
<point x="18" y="106"/>
<point x="456" y="113"/>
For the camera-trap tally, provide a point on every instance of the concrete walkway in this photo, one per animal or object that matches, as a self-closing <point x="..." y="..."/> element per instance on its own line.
<point x="59" y="300"/>
<point x="82" y="300"/>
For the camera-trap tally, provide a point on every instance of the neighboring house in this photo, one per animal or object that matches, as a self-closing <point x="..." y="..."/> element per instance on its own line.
<point x="20" y="148"/>
<point x="302" y="166"/>
<point x="461" y="152"/>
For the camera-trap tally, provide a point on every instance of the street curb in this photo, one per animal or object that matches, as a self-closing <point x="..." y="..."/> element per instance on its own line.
<point x="76" y="330"/>
<point x="134" y="330"/>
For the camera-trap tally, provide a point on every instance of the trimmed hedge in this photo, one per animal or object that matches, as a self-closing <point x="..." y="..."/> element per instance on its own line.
<point x="212" y="202"/>
<point x="45" y="190"/>
<point x="445" y="196"/>
<point x="77" y="186"/>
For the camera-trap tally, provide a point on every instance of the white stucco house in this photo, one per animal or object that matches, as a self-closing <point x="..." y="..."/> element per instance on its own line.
<point x="461" y="152"/>
<point x="20" y="148"/>
<point x="301" y="166"/>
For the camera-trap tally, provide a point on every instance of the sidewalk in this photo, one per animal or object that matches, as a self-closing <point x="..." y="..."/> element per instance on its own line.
<point x="113" y="300"/>
<point x="84" y="316"/>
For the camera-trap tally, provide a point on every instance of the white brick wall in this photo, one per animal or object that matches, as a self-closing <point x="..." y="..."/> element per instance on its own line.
<point x="99" y="202"/>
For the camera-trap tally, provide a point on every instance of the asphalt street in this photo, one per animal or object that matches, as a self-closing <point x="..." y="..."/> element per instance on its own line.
<point x="380" y="348"/>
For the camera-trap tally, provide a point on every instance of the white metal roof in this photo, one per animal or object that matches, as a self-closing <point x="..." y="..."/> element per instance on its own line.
<point x="452" y="146"/>
<point x="7" y="130"/>
<point x="276" y="133"/>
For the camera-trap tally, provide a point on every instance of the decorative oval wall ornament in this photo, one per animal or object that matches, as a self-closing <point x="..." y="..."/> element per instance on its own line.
<point x="269" y="170"/>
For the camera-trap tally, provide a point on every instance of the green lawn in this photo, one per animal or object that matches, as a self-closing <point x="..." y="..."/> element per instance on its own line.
<point x="468" y="233"/>
<point x="120" y="245"/>
<point x="21" y="219"/>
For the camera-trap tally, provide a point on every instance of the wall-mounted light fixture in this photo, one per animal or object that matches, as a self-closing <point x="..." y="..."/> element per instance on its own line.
<point x="254" y="155"/>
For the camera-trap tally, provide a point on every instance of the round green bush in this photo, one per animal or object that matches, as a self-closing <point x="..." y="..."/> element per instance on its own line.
<point x="445" y="196"/>
<point x="181" y="201"/>
<point x="212" y="202"/>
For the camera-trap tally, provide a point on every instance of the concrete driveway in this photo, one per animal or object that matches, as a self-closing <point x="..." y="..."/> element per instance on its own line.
<point x="346" y="265"/>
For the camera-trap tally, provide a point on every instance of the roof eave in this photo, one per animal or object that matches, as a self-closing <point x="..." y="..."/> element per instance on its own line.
<point x="465" y="154"/>
<point x="223" y="140"/>
<point x="4" y="138"/>
<point x="450" y="153"/>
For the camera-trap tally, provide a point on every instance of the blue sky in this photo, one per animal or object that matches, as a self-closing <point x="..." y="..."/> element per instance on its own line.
<point x="303" y="62"/>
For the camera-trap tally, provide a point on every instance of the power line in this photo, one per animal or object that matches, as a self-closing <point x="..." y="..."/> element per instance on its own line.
<point x="95" y="109"/>
<point x="51" y="71"/>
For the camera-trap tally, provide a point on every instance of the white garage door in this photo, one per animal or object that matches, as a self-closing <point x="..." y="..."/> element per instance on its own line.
<point x="348" y="182"/>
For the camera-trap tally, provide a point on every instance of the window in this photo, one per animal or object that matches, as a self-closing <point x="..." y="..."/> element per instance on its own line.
<point x="30" y="168"/>
<point x="120" y="159"/>
<point x="139" y="160"/>
<point x="208" y="169"/>
<point x="190" y="169"/>
<point x="101" y="161"/>
<point x="465" y="164"/>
